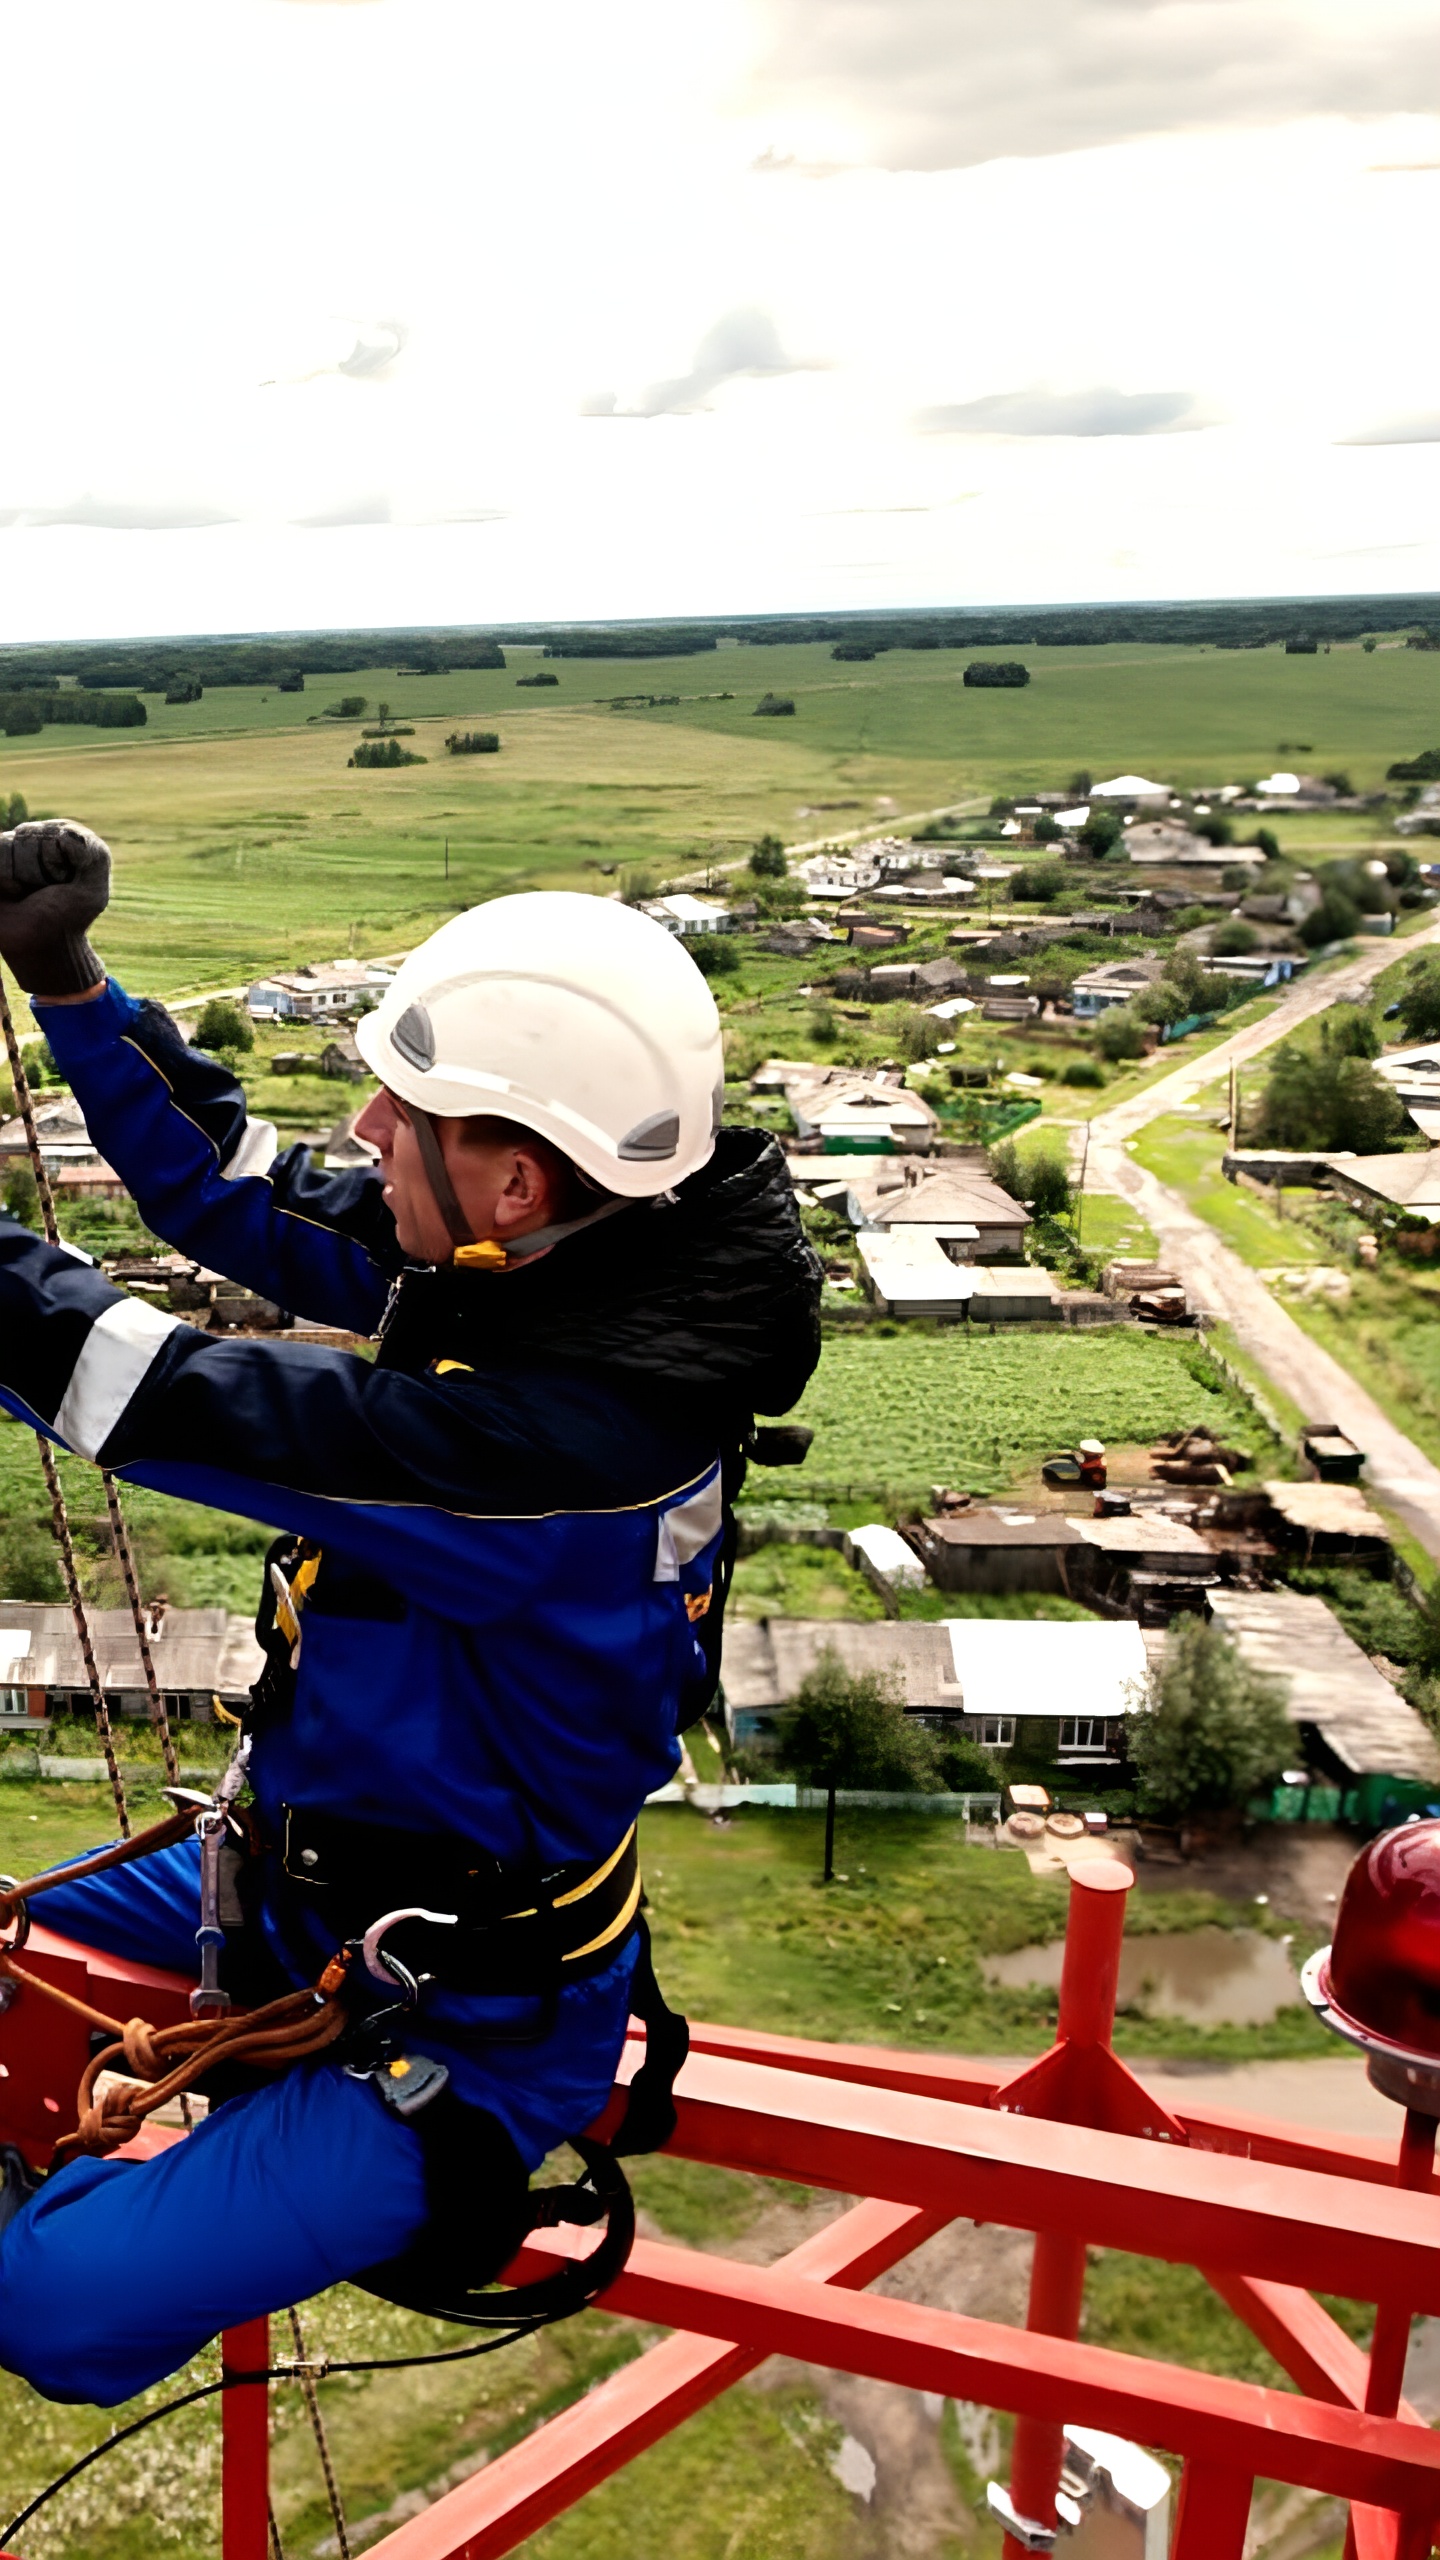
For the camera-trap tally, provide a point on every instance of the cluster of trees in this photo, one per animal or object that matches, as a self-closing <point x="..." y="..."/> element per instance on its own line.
<point x="13" y="812"/>
<point x="473" y="742"/>
<point x="184" y="689"/>
<point x="1039" y="1179"/>
<point x="148" y="666"/>
<point x="223" y="1025"/>
<point x="544" y="676"/>
<point x="384" y="751"/>
<point x="24" y="714"/>
<point x="1419" y="999"/>
<point x="774" y="706"/>
<point x="767" y="859"/>
<point x="1184" y="988"/>
<point x="1350" y="890"/>
<point x="1213" y="1731"/>
<point x="1422" y="768"/>
<point x="634" y="640"/>
<point x="1332" y="1099"/>
<point x="351" y="706"/>
<point x="855" y="651"/>
<point x="1005" y="672"/>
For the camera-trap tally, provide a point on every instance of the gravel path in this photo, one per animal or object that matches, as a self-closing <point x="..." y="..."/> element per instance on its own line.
<point x="1221" y="1284"/>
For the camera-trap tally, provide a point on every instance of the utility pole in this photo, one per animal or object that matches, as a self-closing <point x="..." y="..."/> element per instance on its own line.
<point x="1080" y="1195"/>
<point x="1234" y="1107"/>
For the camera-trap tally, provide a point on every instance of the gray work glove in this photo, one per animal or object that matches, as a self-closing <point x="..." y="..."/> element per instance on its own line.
<point x="54" y="881"/>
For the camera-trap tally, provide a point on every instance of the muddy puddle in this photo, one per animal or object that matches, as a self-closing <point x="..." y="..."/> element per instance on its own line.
<point x="1214" y="1977"/>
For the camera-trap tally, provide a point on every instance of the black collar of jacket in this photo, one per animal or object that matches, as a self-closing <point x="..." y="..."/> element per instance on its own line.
<point x="712" y="1291"/>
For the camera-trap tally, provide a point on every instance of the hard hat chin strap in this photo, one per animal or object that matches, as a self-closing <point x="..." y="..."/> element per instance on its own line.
<point x="467" y="1249"/>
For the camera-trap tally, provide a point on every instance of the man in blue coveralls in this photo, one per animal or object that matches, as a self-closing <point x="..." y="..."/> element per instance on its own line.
<point x="489" y="1609"/>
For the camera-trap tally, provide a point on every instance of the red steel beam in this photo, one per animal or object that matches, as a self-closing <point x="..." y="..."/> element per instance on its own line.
<point x="1366" y="2157"/>
<point x="1208" y="2418"/>
<point x="546" y="2473"/>
<point x="1290" y="2226"/>
<point x="245" y="2446"/>
<point x="1213" y="2513"/>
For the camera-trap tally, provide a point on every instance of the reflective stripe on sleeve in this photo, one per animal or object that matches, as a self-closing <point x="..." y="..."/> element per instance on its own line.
<point x="120" y="1348"/>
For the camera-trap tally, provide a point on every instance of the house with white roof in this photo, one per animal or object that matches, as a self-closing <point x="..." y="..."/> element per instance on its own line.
<point x="1130" y="786"/>
<point x="317" y="991"/>
<point x="685" y="915"/>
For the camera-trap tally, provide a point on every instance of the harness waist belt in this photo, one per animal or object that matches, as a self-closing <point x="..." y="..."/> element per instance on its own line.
<point x="522" y="1931"/>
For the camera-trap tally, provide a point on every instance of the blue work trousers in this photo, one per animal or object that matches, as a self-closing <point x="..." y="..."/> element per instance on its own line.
<point x="118" y="2271"/>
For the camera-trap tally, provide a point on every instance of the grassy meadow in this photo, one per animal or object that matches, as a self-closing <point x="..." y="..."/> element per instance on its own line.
<point x="243" y="838"/>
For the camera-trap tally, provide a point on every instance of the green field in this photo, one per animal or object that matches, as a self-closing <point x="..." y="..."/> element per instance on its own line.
<point x="898" y="1412"/>
<point x="243" y="839"/>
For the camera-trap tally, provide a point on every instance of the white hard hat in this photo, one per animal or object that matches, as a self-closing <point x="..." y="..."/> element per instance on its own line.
<point x="578" y="1017"/>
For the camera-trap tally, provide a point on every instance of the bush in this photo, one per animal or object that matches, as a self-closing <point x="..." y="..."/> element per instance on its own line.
<point x="223" y="1025"/>
<point x="1215" y="829"/>
<point x="542" y="677"/>
<point x="23" y="718"/>
<point x="1349" y="1032"/>
<point x="774" y="706"/>
<point x="996" y="671"/>
<point x="1230" y="941"/>
<point x="767" y="859"/>
<point x="1422" y="768"/>
<point x="714" y="955"/>
<point x="1100" y="834"/>
<point x="13" y="812"/>
<point x="1334" y="920"/>
<point x="22" y="1202"/>
<point x="386" y="752"/>
<point x="919" y="1034"/>
<point x="1301" y="646"/>
<point x="473" y="742"/>
<point x="1084" y="1071"/>
<point x="184" y="689"/>
<point x="1420" y="1002"/>
<point x="1005" y="1168"/>
<point x="1119" y="1036"/>
<point x="1038" y="884"/>
<point x="1048" y="1186"/>
<point x="1340" y="784"/>
<point x="292" y="682"/>
<point x="1081" y="785"/>
<point x="853" y="650"/>
<point x="29" y="1562"/>
<point x="351" y="706"/>
<point x="1213" y="1730"/>
<point x="1328" y="1102"/>
<point x="823" y="1028"/>
<point x="1046" y="831"/>
<point x="1266" y="841"/>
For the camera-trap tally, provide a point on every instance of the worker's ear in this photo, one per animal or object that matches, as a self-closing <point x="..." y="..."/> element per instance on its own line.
<point x="527" y="1192"/>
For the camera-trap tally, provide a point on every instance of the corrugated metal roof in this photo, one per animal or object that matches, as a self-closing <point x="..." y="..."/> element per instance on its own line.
<point x="192" y="1649"/>
<point x="1328" y="1681"/>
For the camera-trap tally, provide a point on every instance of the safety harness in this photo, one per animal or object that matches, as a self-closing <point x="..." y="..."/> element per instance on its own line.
<point x="451" y="1917"/>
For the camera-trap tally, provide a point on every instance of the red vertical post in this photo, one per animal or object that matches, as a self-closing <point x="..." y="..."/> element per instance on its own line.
<point x="245" y="2445"/>
<point x="1088" y="1980"/>
<point x="1214" y="2512"/>
<point x="1391" y="2341"/>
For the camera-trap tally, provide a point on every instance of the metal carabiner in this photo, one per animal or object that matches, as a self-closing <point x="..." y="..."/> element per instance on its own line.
<point x="387" y="1969"/>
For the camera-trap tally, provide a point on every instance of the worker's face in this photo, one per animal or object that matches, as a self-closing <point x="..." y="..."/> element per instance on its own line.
<point x="504" y="1191"/>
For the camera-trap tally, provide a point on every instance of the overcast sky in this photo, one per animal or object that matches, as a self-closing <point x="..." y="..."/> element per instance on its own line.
<point x="388" y="311"/>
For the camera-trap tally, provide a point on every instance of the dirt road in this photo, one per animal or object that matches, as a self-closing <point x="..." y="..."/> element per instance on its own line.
<point x="1220" y="1283"/>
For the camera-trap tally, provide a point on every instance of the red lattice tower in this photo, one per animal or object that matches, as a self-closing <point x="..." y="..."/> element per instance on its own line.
<point x="1071" y="2148"/>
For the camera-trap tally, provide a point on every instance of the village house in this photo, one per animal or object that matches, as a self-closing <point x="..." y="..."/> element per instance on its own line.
<point x="1049" y="1697"/>
<point x="340" y="1059"/>
<point x="317" y="992"/>
<point x="1113" y="982"/>
<point x="202" y="1657"/>
<point x="958" y="1204"/>
<point x="60" y="1128"/>
<point x="686" y="916"/>
<point x="843" y="1113"/>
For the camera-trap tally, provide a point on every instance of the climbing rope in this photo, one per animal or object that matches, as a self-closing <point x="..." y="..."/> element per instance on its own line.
<point x="59" y="1517"/>
<point x="306" y="2377"/>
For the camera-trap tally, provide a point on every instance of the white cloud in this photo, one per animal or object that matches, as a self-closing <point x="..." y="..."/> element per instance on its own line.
<point x="935" y="84"/>
<point x="743" y="345"/>
<point x="122" y="515"/>
<point x="1424" y="429"/>
<point x="1102" y="411"/>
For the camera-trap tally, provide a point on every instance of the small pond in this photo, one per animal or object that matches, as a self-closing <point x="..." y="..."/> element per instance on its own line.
<point x="1214" y="1977"/>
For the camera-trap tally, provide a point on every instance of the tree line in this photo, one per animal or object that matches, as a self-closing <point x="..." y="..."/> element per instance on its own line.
<point x="23" y="715"/>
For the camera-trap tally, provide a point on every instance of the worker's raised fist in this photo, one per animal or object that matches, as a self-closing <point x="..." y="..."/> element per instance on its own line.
<point x="54" y="882"/>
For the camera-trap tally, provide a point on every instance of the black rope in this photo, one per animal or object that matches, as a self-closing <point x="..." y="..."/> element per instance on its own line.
<point x="316" y="2372"/>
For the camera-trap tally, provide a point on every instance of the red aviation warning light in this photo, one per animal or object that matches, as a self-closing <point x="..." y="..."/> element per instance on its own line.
<point x="1378" y="1983"/>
